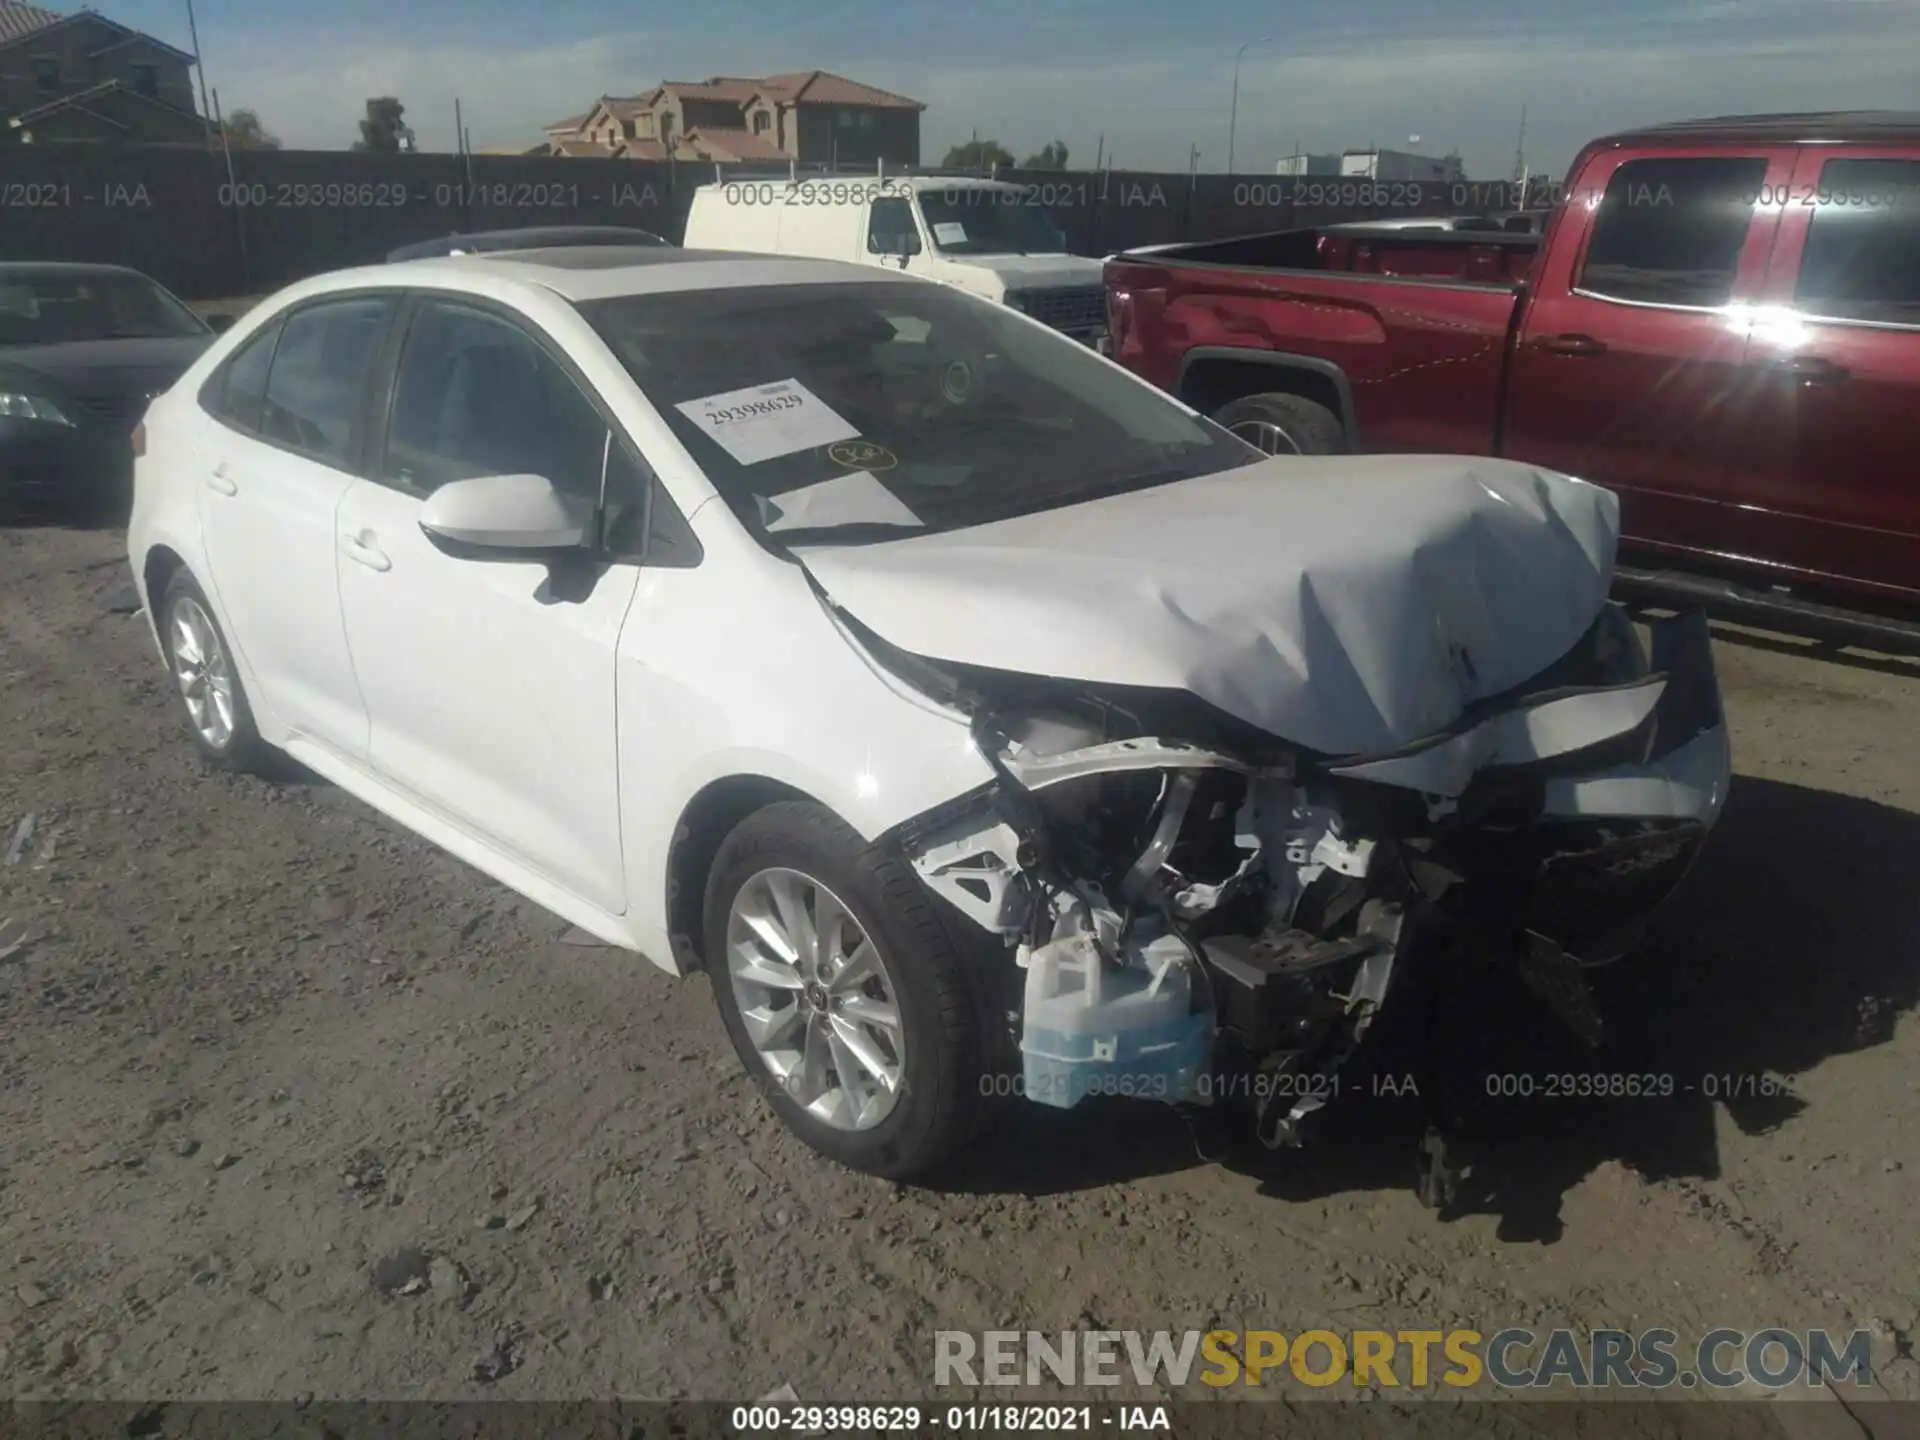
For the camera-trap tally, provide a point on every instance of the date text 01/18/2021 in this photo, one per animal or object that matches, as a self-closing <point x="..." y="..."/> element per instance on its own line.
<point x="791" y="1419"/>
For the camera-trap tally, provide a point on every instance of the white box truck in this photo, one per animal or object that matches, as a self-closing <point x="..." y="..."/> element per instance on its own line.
<point x="992" y="238"/>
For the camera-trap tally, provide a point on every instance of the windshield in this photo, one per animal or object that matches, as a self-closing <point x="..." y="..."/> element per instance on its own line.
<point x="51" y="308"/>
<point x="843" y="414"/>
<point x="983" y="220"/>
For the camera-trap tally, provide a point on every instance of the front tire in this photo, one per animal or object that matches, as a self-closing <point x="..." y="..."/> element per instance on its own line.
<point x="1279" y="424"/>
<point x="844" y="993"/>
<point x="214" y="702"/>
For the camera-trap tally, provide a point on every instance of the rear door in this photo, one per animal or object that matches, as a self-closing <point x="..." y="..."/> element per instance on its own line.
<point x="1835" y="361"/>
<point x="1630" y="370"/>
<point x="291" y="421"/>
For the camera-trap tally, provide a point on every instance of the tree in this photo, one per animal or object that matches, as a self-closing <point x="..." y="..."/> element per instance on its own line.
<point x="1052" y="156"/>
<point x="382" y="129"/>
<point x="245" y="132"/>
<point x="977" y="155"/>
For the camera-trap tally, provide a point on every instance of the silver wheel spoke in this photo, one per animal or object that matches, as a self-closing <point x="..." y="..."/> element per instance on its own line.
<point x="756" y="968"/>
<point x="865" y="1010"/>
<point x="772" y="1027"/>
<point x="790" y="905"/>
<point x="860" y="1049"/>
<point x="815" y="999"/>
<point x="859" y="969"/>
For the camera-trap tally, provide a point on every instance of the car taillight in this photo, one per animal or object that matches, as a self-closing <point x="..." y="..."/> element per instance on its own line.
<point x="140" y="439"/>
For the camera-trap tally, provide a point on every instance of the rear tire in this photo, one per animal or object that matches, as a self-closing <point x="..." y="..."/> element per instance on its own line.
<point x="1284" y="424"/>
<point x="213" y="701"/>
<point x="798" y="857"/>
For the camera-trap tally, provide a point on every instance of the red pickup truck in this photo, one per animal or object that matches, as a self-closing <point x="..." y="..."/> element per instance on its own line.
<point x="1721" y="323"/>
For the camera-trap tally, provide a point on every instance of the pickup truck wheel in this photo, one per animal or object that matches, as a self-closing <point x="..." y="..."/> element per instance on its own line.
<point x="1284" y="425"/>
<point x="843" y="993"/>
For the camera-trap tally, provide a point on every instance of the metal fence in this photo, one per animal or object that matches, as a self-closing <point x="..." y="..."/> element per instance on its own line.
<point x="208" y="227"/>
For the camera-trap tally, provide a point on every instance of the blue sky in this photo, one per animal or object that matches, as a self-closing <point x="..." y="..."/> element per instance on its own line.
<point x="1149" y="76"/>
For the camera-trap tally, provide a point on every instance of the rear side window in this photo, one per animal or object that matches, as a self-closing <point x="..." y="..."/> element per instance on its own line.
<point x="1862" y="259"/>
<point x="241" y="390"/>
<point x="318" y="377"/>
<point x="1670" y="231"/>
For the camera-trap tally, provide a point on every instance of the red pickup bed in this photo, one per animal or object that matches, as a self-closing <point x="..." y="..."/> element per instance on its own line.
<point x="1721" y="323"/>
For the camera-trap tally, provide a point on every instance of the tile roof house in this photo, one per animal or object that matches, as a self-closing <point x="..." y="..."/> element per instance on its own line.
<point x="85" y="79"/>
<point x="809" y="116"/>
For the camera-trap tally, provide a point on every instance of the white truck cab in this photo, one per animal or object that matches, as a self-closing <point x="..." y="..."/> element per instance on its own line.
<point x="988" y="237"/>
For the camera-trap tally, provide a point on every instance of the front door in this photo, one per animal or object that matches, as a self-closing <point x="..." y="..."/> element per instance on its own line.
<point x="274" y="467"/>
<point x="1630" y="371"/>
<point x="1835" y="358"/>
<point x="491" y="700"/>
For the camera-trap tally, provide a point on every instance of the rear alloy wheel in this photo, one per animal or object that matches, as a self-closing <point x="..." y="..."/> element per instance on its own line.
<point x="844" y="993"/>
<point x="217" y="713"/>
<point x="1284" y="425"/>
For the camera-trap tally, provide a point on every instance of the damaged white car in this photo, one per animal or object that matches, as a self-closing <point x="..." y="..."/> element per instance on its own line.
<point x="979" y="719"/>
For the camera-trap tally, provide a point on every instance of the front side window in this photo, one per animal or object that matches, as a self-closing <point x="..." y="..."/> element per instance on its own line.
<point x="1670" y="231"/>
<point x="46" y="74"/>
<point x="58" y="306"/>
<point x="762" y="122"/>
<point x="988" y="220"/>
<point x="849" y="413"/>
<point x="317" y="381"/>
<point x="890" y="229"/>
<point x="477" y="395"/>
<point x="1862" y="259"/>
<point x="146" y="80"/>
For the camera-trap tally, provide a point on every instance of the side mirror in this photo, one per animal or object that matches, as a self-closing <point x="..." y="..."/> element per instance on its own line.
<point x="221" y="323"/>
<point x="504" y="517"/>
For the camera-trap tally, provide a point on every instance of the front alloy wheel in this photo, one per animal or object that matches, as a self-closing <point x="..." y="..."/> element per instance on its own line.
<point x="864" y="1018"/>
<point x="817" y="999"/>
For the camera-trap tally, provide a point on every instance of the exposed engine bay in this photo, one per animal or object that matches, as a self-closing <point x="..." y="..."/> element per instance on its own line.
<point x="1186" y="897"/>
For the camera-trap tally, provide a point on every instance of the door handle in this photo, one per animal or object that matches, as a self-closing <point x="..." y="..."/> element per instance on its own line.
<point x="365" y="552"/>
<point x="220" y="482"/>
<point x="1812" y="369"/>
<point x="1573" y="345"/>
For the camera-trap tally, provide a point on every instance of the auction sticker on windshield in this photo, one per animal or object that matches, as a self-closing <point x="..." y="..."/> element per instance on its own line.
<point x="949" y="232"/>
<point x="764" y="422"/>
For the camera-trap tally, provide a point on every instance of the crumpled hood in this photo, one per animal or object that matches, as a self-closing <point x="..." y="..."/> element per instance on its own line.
<point x="1349" y="604"/>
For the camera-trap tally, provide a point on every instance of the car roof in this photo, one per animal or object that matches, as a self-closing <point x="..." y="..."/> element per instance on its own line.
<point x="1813" y="126"/>
<point x="864" y="186"/>
<point x="541" y="236"/>
<point x="600" y="272"/>
<point x="48" y="269"/>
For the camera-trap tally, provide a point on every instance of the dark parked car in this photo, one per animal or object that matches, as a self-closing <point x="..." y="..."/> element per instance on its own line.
<point x="1722" y="324"/>
<point x="544" y="237"/>
<point x="83" y="348"/>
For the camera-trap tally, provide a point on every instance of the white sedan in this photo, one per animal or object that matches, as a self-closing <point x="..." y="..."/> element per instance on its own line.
<point x="979" y="719"/>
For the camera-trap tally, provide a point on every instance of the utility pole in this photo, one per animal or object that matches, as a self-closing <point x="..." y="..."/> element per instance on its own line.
<point x="1520" y="148"/>
<point x="200" y="68"/>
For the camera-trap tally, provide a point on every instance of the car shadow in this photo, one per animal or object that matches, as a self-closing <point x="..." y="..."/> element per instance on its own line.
<point x="1788" y="944"/>
<point x="1907" y="666"/>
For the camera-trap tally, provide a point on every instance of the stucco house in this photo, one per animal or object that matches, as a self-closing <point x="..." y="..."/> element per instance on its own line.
<point x="809" y="116"/>
<point x="83" y="78"/>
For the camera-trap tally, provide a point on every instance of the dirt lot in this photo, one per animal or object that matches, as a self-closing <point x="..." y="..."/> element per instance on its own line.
<point x="264" y="1059"/>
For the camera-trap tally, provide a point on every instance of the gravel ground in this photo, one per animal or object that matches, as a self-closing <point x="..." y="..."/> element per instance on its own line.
<point x="291" y="1104"/>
